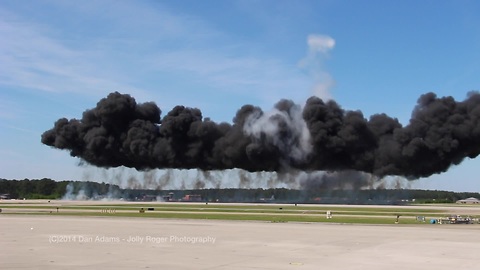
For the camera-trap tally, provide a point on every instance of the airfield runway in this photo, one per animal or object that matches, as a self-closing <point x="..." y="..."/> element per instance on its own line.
<point x="62" y="242"/>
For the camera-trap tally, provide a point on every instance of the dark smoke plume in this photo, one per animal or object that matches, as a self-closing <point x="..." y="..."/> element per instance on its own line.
<point x="319" y="136"/>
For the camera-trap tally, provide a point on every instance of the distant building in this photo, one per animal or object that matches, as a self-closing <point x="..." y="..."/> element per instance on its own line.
<point x="470" y="200"/>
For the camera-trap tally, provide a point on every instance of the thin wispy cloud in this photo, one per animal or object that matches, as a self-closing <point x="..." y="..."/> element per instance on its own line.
<point x="245" y="74"/>
<point x="9" y="110"/>
<point x="34" y="58"/>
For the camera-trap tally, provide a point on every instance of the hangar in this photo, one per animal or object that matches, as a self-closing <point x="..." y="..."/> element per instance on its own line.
<point x="470" y="200"/>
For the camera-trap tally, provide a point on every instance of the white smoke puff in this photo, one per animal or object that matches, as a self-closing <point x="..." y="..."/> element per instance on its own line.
<point x="70" y="195"/>
<point x="296" y="146"/>
<point x="320" y="43"/>
<point x="318" y="48"/>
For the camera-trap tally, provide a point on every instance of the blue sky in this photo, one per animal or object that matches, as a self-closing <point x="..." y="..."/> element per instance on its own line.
<point x="58" y="58"/>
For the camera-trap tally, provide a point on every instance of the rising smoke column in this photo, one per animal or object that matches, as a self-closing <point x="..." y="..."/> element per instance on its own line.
<point x="319" y="47"/>
<point x="121" y="132"/>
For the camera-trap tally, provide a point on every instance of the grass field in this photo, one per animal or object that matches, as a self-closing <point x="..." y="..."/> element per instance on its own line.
<point x="253" y="212"/>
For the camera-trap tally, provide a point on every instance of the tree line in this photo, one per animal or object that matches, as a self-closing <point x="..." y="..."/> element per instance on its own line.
<point x="46" y="188"/>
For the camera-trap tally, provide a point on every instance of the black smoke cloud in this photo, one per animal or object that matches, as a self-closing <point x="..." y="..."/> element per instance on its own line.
<point x="320" y="136"/>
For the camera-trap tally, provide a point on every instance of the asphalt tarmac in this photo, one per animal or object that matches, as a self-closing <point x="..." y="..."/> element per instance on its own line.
<point x="66" y="242"/>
